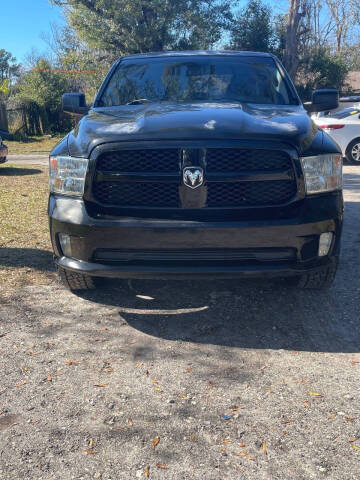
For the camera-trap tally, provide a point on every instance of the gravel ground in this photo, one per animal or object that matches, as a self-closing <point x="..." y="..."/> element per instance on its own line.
<point x="184" y="380"/>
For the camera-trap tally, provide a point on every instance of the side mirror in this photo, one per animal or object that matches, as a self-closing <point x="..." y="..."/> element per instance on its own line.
<point x="323" y="100"/>
<point x="74" y="103"/>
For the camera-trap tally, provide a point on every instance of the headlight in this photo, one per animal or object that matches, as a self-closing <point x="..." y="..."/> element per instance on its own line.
<point x="322" y="173"/>
<point x="67" y="175"/>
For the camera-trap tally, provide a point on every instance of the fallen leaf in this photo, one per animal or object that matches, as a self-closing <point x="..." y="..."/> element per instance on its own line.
<point x="211" y="384"/>
<point x="354" y="362"/>
<point x="241" y="444"/>
<point x="101" y="384"/>
<point x="307" y="404"/>
<point x="331" y="416"/>
<point x="293" y="352"/>
<point x="225" y="441"/>
<point x="138" y="365"/>
<point x="314" y="394"/>
<point x="89" y="452"/>
<point x="1" y="412"/>
<point x="243" y="454"/>
<point x="264" y="447"/>
<point x="158" y="389"/>
<point x="108" y="370"/>
<point x="21" y="383"/>
<point x="349" y="419"/>
<point x="262" y="368"/>
<point x="91" y="443"/>
<point x="246" y="384"/>
<point x="71" y="362"/>
<point x="351" y="440"/>
<point x="154" y="380"/>
<point x="49" y="378"/>
<point x="192" y="436"/>
<point x="130" y="422"/>
<point x="161" y="465"/>
<point x="155" y="442"/>
<point x="268" y="390"/>
<point x="3" y="390"/>
<point x="288" y="421"/>
<point x="189" y="370"/>
<point x="147" y="471"/>
<point x="148" y="423"/>
<point x="182" y="395"/>
<point x="357" y="447"/>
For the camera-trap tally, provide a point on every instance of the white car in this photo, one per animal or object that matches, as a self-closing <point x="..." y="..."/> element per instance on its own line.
<point x="344" y="127"/>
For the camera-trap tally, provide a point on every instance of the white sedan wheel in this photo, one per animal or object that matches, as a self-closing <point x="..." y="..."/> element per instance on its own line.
<point x="355" y="152"/>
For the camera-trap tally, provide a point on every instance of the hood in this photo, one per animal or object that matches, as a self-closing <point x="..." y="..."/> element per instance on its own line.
<point x="290" y="125"/>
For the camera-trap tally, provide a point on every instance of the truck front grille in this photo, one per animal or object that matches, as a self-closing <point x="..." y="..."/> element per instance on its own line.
<point x="233" y="178"/>
<point x="156" y="195"/>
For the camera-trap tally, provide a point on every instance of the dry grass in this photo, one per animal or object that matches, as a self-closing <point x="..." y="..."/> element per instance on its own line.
<point x="25" y="249"/>
<point x="35" y="145"/>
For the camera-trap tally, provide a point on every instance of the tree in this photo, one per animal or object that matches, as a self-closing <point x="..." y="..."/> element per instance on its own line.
<point x="135" y="26"/>
<point x="321" y="70"/>
<point x="294" y="16"/>
<point x="344" y="14"/>
<point x="42" y="89"/>
<point x="8" y="66"/>
<point x="85" y="66"/>
<point x="252" y="29"/>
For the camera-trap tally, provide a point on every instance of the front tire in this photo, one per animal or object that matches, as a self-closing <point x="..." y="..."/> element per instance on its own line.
<point x="353" y="152"/>
<point x="320" y="279"/>
<point x="76" y="281"/>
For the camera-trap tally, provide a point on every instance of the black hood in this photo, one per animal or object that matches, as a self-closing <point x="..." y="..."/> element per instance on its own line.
<point x="290" y="125"/>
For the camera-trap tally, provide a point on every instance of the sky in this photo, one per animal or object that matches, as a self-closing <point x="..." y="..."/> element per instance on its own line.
<point x="23" y="22"/>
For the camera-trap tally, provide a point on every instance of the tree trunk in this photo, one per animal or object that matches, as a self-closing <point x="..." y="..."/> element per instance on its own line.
<point x="291" y="59"/>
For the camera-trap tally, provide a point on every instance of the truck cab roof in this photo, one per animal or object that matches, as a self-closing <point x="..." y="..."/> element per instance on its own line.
<point x="197" y="53"/>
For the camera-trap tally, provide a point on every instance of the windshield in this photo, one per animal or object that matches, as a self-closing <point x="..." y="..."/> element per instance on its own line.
<point x="190" y="79"/>
<point x="348" y="112"/>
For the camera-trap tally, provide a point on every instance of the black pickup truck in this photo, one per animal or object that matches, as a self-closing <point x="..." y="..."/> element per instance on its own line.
<point x="196" y="164"/>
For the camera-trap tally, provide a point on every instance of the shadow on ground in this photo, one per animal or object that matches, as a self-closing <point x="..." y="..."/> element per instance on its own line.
<point x="41" y="260"/>
<point x="18" y="172"/>
<point x="246" y="314"/>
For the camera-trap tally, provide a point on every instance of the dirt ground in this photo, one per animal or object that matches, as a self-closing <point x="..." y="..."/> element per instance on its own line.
<point x="184" y="380"/>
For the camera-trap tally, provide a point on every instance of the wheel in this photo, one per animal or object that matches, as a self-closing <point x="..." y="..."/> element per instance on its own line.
<point x="353" y="152"/>
<point x="322" y="278"/>
<point x="76" y="281"/>
<point x="2" y="159"/>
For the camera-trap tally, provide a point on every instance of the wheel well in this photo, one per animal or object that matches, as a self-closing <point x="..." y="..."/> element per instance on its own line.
<point x="357" y="139"/>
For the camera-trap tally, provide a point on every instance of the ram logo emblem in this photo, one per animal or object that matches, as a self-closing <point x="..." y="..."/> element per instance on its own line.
<point x="193" y="177"/>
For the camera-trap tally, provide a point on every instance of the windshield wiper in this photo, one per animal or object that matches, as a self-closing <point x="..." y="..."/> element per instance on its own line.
<point x="139" y="101"/>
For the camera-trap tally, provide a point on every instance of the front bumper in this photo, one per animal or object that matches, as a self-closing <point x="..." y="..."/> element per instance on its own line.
<point x="317" y="215"/>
